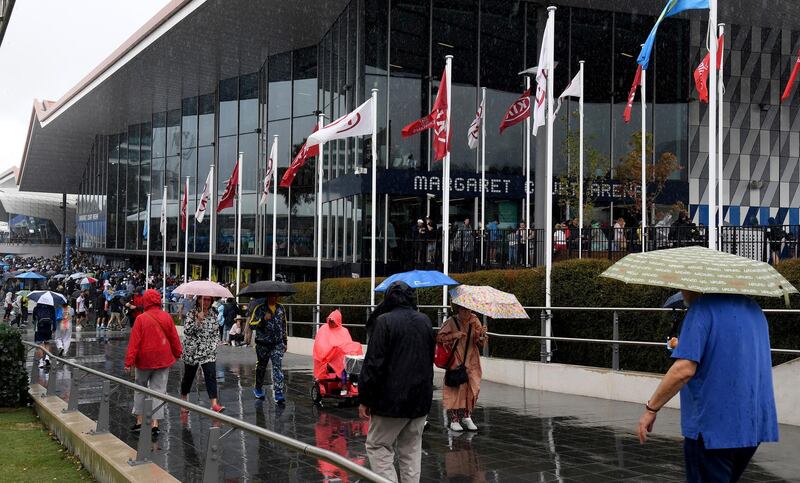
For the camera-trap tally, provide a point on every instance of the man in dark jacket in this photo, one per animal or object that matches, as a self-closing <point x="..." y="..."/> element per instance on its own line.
<point x="396" y="385"/>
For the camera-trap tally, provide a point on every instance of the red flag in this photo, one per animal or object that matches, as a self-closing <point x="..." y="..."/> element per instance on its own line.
<point x="701" y="73"/>
<point x="632" y="94"/>
<point x="436" y="120"/>
<point x="184" y="207"/>
<point x="230" y="190"/>
<point x="299" y="161"/>
<point x="518" y="111"/>
<point x="792" y="77"/>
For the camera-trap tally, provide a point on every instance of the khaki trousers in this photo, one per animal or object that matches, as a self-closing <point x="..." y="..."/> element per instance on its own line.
<point x="389" y="435"/>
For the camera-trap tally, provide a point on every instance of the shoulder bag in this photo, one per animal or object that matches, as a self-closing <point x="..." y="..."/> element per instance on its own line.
<point x="458" y="376"/>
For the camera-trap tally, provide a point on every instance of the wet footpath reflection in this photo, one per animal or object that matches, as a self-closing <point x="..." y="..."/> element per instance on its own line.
<point x="523" y="436"/>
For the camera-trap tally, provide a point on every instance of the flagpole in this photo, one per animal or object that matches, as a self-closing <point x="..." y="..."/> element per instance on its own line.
<point x="580" y="160"/>
<point x="147" y="250"/>
<point x="164" y="249"/>
<point x="186" y="236"/>
<point x="551" y="15"/>
<point x="211" y="236"/>
<point x="448" y="67"/>
<point x="239" y="224"/>
<point x="720" y="139"/>
<point x="274" y="207"/>
<point x="319" y="222"/>
<point x="374" y="196"/>
<point x="483" y="168"/>
<point x="643" y="239"/>
<point x="527" y="210"/>
<point x="712" y="126"/>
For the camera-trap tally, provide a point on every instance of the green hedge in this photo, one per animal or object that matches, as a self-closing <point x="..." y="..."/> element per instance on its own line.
<point x="575" y="283"/>
<point x="13" y="377"/>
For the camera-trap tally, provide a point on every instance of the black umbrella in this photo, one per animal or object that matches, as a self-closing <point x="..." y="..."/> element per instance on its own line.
<point x="268" y="287"/>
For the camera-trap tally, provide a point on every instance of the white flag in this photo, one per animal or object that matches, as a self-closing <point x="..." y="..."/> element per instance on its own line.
<point x="357" y="123"/>
<point x="203" y="204"/>
<point x="164" y="215"/>
<point x="544" y="70"/>
<point x="475" y="127"/>
<point x="273" y="155"/>
<point x="572" y="90"/>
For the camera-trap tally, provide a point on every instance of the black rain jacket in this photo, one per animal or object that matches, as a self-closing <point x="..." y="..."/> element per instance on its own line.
<point x="397" y="377"/>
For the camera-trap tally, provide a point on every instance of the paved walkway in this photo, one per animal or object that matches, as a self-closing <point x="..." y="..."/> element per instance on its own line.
<point x="524" y="435"/>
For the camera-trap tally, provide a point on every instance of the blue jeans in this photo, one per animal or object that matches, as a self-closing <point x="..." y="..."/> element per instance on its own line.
<point x="714" y="465"/>
<point x="267" y="355"/>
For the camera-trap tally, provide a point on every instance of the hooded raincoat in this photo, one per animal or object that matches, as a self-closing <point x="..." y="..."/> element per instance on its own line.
<point x="331" y="344"/>
<point x="154" y="342"/>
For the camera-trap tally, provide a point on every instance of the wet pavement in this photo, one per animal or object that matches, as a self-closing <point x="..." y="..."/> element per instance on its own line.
<point x="524" y="435"/>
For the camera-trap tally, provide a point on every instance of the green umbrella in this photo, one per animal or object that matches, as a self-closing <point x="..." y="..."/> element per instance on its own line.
<point x="703" y="270"/>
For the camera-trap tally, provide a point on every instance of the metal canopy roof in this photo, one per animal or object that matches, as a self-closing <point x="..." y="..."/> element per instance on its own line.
<point x="183" y="51"/>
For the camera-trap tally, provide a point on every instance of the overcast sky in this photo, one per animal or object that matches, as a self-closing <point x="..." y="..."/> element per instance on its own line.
<point x="49" y="46"/>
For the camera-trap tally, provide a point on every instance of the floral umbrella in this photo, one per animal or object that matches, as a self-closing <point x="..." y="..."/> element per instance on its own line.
<point x="703" y="270"/>
<point x="488" y="301"/>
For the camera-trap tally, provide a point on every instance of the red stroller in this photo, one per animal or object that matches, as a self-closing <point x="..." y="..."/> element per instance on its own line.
<point x="337" y="362"/>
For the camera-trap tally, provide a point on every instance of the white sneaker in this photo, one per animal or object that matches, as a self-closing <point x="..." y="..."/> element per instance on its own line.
<point x="468" y="424"/>
<point x="456" y="426"/>
<point x="41" y="364"/>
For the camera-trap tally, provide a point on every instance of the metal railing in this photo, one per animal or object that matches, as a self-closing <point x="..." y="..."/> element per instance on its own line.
<point x="520" y="247"/>
<point x="545" y="313"/>
<point x="213" y="449"/>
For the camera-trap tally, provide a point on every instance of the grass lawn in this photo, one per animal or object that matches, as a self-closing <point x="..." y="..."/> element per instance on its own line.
<point x="30" y="453"/>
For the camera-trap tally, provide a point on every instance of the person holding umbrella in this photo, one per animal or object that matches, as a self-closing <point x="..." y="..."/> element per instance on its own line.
<point x="200" y="351"/>
<point x="465" y="335"/>
<point x="723" y="365"/>
<point x="63" y="336"/>
<point x="268" y="322"/>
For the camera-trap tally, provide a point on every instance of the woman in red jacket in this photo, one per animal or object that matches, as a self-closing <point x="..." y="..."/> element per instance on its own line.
<point x="153" y="347"/>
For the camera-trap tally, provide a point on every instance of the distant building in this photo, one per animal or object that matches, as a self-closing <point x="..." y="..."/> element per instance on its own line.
<point x="32" y="223"/>
<point x="204" y="80"/>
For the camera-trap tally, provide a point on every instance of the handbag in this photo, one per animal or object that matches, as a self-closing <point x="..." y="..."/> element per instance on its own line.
<point x="458" y="376"/>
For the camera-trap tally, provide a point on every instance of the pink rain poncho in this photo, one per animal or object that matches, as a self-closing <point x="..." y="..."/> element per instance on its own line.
<point x="332" y="343"/>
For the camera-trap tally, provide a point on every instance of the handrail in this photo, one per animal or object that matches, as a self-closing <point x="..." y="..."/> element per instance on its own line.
<point x="299" y="446"/>
<point x="536" y="307"/>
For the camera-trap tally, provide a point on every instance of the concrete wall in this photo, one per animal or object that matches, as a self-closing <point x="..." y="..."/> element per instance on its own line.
<point x="636" y="387"/>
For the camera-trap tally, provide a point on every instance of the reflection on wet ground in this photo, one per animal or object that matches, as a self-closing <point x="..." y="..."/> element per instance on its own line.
<point x="524" y="435"/>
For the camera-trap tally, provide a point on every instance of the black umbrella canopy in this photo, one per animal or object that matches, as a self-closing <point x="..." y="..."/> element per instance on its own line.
<point x="268" y="287"/>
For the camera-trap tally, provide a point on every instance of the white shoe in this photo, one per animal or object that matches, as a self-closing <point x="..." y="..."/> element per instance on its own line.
<point x="468" y="424"/>
<point x="41" y="364"/>
<point x="456" y="426"/>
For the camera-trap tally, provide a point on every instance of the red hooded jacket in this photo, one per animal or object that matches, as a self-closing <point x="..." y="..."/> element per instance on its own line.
<point x="154" y="342"/>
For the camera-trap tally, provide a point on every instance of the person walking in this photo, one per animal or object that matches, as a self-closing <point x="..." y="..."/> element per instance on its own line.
<point x="153" y="347"/>
<point x="467" y="336"/>
<point x="200" y="350"/>
<point x="9" y="302"/>
<point x="115" y="309"/>
<point x="723" y="371"/>
<point x="80" y="308"/>
<point x="63" y="336"/>
<point x="396" y="385"/>
<point x="43" y="319"/>
<point x="269" y="325"/>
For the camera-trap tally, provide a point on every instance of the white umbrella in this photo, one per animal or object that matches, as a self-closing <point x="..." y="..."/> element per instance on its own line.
<point x="46" y="297"/>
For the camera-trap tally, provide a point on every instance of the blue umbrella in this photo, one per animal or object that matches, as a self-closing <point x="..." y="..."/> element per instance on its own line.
<point x="417" y="279"/>
<point x="30" y="276"/>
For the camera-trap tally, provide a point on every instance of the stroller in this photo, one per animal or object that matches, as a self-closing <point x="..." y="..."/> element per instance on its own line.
<point x="337" y="363"/>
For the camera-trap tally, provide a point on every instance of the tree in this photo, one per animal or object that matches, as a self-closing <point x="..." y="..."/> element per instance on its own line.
<point x="593" y="160"/>
<point x="629" y="171"/>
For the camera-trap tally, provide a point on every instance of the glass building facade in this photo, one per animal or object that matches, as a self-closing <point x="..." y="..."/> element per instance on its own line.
<point x="398" y="47"/>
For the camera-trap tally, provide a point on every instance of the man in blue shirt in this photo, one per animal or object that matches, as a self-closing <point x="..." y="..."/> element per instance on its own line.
<point x="723" y="370"/>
